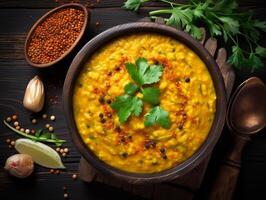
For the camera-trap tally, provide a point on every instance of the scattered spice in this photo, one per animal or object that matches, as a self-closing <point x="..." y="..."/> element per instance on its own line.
<point x="17" y="127"/>
<point x="61" y="150"/>
<point x="8" y="141"/>
<point x="57" y="149"/>
<point x="101" y="100"/>
<point x="16" y="123"/>
<point x="47" y="126"/>
<point x="34" y="121"/>
<point x="22" y="129"/>
<point x="52" y="38"/>
<point x="66" y="150"/>
<point x="65" y="195"/>
<point x="64" y="154"/>
<point x="74" y="176"/>
<point x="33" y="131"/>
<point x="97" y="23"/>
<point x="187" y="80"/>
<point x="44" y="116"/>
<point x="51" y="129"/>
<point x="51" y="171"/>
<point x="14" y="117"/>
<point x="27" y="131"/>
<point x="57" y="171"/>
<point x="109" y="101"/>
<point x="13" y="143"/>
<point x="52" y="118"/>
<point x="8" y="119"/>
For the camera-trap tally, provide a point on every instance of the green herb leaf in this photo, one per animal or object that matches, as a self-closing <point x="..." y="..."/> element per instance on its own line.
<point x="133" y="4"/>
<point x="260" y="24"/>
<point x="237" y="58"/>
<point x="127" y="105"/>
<point x="131" y="89"/>
<point x="230" y="25"/>
<point x="38" y="133"/>
<point x="254" y="62"/>
<point x="151" y="95"/>
<point x="54" y="137"/>
<point x="261" y="51"/>
<point x="143" y="73"/>
<point x="157" y="116"/>
<point x="45" y="136"/>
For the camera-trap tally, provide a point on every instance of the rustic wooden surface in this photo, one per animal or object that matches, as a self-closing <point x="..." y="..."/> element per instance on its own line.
<point x="16" y="18"/>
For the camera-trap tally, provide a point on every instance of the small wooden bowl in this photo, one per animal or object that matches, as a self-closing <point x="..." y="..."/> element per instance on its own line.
<point x="43" y="18"/>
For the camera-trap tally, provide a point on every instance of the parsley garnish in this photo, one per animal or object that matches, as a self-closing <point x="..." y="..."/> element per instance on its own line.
<point x="129" y="104"/>
<point x="222" y="18"/>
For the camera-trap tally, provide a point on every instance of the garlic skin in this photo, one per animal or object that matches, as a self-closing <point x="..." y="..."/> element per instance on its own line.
<point x="34" y="95"/>
<point x="19" y="165"/>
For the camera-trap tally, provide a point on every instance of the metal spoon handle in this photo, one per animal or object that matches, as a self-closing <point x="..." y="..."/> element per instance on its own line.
<point x="224" y="184"/>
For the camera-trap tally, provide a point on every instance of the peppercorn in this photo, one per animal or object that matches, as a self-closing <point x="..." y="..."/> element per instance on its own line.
<point x="22" y="129"/>
<point x="52" y="118"/>
<point x="162" y="150"/>
<point x="102" y="120"/>
<point x="16" y="123"/>
<point x="101" y="100"/>
<point x="51" y="129"/>
<point x="101" y="115"/>
<point x="118" y="129"/>
<point x="34" y="121"/>
<point x="74" y="176"/>
<point x="66" y="150"/>
<point x="117" y="68"/>
<point x="109" y="101"/>
<point x="180" y="127"/>
<point x="13" y="143"/>
<point x="14" y="117"/>
<point x="8" y="141"/>
<point x="164" y="156"/>
<point x="187" y="80"/>
<point x="17" y="127"/>
<point x="65" y="195"/>
<point x="8" y="119"/>
<point x="44" y="116"/>
<point x="27" y="131"/>
<point x="47" y="125"/>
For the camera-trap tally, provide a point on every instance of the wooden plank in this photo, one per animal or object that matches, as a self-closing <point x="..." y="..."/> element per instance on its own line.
<point x="98" y="3"/>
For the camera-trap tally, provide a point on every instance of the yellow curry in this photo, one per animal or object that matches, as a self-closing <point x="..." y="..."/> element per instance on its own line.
<point x="187" y="94"/>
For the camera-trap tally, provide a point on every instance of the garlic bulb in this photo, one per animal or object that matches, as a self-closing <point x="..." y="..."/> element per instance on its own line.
<point x="19" y="165"/>
<point x="34" y="95"/>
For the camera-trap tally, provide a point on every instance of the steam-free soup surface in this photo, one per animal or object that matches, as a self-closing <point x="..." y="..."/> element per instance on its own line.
<point x="187" y="94"/>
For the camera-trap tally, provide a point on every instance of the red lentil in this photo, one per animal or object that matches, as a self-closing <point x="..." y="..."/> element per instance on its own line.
<point x="55" y="35"/>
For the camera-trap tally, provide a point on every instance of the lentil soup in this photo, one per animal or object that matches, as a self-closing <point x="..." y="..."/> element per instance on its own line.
<point x="187" y="94"/>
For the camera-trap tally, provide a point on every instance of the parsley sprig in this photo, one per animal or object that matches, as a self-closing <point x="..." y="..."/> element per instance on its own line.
<point x="223" y="18"/>
<point x="129" y="103"/>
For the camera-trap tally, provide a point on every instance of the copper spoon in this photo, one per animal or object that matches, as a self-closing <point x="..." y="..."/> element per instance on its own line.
<point x="246" y="115"/>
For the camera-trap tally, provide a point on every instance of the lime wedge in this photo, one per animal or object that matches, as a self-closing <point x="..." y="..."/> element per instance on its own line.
<point x="40" y="153"/>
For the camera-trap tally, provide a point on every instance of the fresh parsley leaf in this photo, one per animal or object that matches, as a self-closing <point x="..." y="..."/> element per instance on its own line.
<point x="131" y="89"/>
<point x="260" y="24"/>
<point x="237" y="58"/>
<point x="143" y="73"/>
<point x="261" y="51"/>
<point x="230" y="25"/>
<point x="254" y="62"/>
<point x="127" y="105"/>
<point x="133" y="4"/>
<point x="151" y="95"/>
<point x="157" y="115"/>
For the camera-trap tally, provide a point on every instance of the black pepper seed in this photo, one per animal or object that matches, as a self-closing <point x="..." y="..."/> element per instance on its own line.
<point x="118" y="129"/>
<point x="124" y="154"/>
<point x="164" y="156"/>
<point x="117" y="68"/>
<point x="109" y="73"/>
<point x="130" y="137"/>
<point x="162" y="150"/>
<point x="101" y="115"/>
<point x="102" y="120"/>
<point x="187" y="80"/>
<point x="180" y="126"/>
<point x="147" y="145"/>
<point x="109" y="101"/>
<point x="101" y="100"/>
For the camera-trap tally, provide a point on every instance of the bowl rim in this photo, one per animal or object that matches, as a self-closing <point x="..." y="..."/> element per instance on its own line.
<point x="149" y="27"/>
<point x="43" y="18"/>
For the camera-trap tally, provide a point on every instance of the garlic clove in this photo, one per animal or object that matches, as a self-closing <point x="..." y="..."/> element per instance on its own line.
<point x="19" y="165"/>
<point x="34" y="95"/>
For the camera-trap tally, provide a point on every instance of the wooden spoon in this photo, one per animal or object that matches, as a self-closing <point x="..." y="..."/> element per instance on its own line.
<point x="246" y="115"/>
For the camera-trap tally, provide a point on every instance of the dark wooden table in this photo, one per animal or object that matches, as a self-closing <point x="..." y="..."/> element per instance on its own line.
<point x="16" y="18"/>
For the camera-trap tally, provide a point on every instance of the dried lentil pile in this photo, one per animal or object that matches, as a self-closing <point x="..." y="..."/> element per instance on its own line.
<point x="55" y="35"/>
